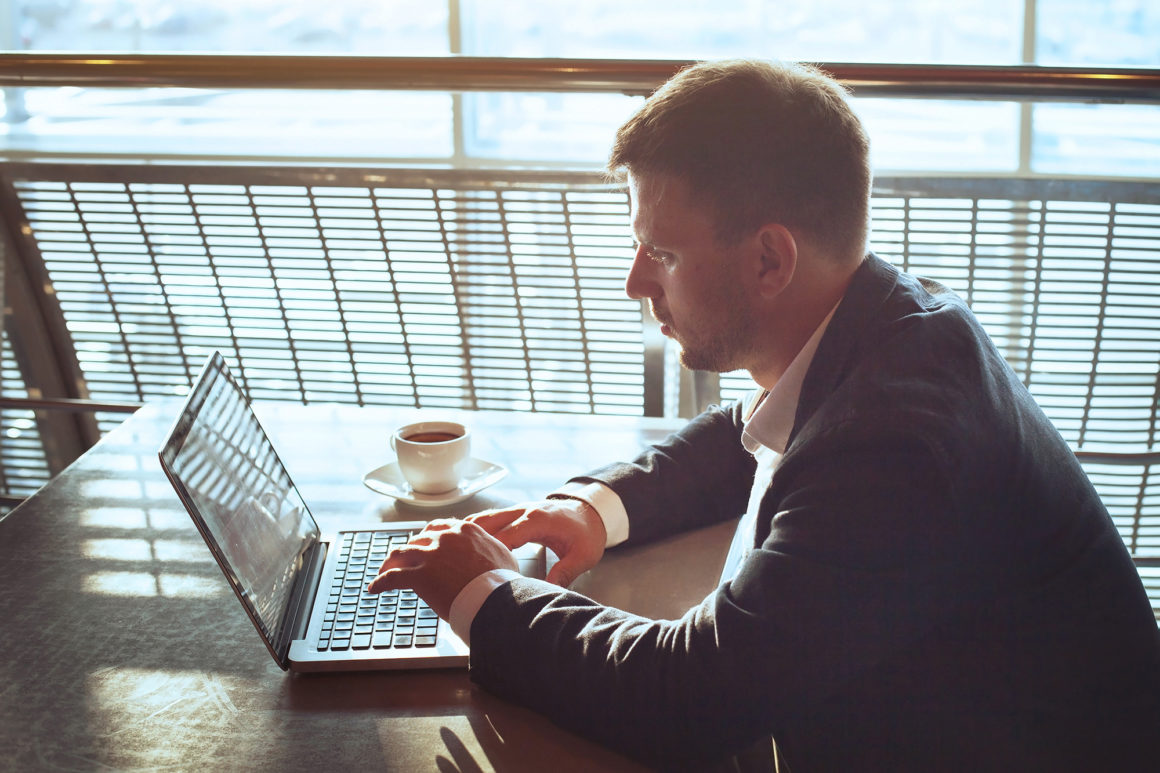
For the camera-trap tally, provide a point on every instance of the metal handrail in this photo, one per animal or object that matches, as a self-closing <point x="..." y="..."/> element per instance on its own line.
<point x="1144" y="458"/>
<point x="67" y="404"/>
<point x="470" y="73"/>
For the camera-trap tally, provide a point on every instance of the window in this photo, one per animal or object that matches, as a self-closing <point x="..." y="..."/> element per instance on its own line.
<point x="488" y="129"/>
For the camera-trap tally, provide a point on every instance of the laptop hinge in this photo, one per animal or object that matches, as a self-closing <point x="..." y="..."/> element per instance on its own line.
<point x="302" y="598"/>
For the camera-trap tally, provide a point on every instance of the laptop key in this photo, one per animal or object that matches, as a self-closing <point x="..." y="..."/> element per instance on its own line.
<point x="381" y="639"/>
<point x="425" y="641"/>
<point x="360" y="641"/>
<point x="403" y="640"/>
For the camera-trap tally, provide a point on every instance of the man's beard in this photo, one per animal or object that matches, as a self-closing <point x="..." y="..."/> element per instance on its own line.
<point x="711" y="357"/>
<point x="721" y="352"/>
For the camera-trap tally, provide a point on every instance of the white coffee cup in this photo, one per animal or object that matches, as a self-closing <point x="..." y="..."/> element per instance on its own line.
<point x="432" y="455"/>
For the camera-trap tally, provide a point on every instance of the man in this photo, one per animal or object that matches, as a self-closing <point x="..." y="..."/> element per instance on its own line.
<point x="931" y="582"/>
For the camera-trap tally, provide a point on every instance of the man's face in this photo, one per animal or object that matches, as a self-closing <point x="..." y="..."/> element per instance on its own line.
<point x="695" y="286"/>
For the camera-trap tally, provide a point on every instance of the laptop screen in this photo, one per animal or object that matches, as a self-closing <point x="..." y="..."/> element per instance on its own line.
<point x="242" y="494"/>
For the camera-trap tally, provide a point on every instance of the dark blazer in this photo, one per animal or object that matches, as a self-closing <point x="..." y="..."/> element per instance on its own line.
<point x="935" y="584"/>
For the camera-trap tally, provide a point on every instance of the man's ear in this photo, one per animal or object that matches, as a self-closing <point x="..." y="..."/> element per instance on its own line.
<point x="779" y="255"/>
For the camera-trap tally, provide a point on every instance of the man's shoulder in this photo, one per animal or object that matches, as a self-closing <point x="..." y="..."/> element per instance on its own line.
<point x="909" y="355"/>
<point x="897" y="331"/>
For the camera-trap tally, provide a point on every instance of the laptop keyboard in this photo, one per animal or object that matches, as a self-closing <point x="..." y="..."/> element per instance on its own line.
<point x="356" y="620"/>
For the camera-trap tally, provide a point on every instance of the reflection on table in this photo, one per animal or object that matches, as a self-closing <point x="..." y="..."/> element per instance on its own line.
<point x="125" y="648"/>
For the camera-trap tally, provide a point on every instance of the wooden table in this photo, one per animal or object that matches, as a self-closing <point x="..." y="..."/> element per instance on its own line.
<point x="124" y="649"/>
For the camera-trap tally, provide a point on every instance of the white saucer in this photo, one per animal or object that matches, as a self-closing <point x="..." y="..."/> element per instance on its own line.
<point x="389" y="480"/>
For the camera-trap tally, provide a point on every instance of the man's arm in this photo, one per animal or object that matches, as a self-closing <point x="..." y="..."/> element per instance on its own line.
<point x="849" y="574"/>
<point x="697" y="476"/>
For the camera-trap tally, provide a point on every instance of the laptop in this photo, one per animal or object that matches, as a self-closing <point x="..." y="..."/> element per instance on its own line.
<point x="304" y="593"/>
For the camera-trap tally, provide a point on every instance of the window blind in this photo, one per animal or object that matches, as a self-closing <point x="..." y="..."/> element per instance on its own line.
<point x="504" y="290"/>
<point x="405" y="291"/>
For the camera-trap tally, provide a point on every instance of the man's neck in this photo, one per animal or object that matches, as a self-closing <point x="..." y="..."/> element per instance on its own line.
<point x="792" y="324"/>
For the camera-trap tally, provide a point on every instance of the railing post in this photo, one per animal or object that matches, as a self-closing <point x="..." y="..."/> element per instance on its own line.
<point x="654" y="363"/>
<point x="706" y="390"/>
<point x="41" y="344"/>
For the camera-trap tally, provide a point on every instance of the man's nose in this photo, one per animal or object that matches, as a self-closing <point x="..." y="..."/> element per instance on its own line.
<point x="640" y="282"/>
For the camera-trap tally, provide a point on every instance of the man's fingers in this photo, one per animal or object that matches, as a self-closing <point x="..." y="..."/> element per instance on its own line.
<point x="511" y="527"/>
<point x="522" y="531"/>
<point x="562" y="574"/>
<point x="400" y="565"/>
<point x="392" y="579"/>
<point x="410" y="554"/>
<point x="493" y="521"/>
<point x="438" y="562"/>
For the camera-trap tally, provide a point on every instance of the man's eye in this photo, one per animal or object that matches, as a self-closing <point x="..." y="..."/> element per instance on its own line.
<point x="657" y="256"/>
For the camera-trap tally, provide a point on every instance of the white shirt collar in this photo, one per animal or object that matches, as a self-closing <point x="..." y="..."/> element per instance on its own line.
<point x="770" y="414"/>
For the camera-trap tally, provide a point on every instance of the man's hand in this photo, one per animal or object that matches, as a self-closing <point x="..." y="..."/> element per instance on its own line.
<point x="440" y="560"/>
<point x="572" y="529"/>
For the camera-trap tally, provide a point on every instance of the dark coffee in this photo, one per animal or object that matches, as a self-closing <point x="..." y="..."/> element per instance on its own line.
<point x="431" y="437"/>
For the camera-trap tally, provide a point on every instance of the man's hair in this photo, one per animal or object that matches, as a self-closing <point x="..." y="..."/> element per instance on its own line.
<point x="758" y="142"/>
